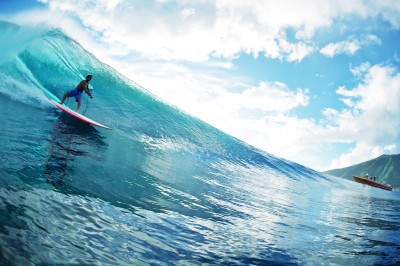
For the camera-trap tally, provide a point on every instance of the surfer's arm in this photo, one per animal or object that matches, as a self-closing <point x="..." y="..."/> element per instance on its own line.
<point x="88" y="92"/>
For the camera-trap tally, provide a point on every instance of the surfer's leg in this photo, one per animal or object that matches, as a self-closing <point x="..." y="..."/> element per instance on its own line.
<point x="68" y="94"/>
<point x="79" y="104"/>
<point x="78" y="96"/>
<point x="64" y="97"/>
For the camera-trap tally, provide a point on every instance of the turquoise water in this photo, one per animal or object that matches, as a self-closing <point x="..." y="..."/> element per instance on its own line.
<point x="161" y="188"/>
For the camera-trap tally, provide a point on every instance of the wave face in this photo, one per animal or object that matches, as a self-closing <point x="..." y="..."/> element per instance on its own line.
<point x="161" y="188"/>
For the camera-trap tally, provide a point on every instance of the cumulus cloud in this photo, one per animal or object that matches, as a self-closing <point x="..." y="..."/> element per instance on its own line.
<point x="233" y="95"/>
<point x="345" y="47"/>
<point x="360" y="70"/>
<point x="362" y="151"/>
<point x="350" y="46"/>
<point x="273" y="97"/>
<point x="371" y="121"/>
<point x="198" y="30"/>
<point x="188" y="12"/>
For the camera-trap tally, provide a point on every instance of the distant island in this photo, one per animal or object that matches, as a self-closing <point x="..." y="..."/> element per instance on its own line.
<point x="386" y="168"/>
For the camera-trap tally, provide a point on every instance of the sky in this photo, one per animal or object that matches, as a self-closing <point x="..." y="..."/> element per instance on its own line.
<point x="315" y="82"/>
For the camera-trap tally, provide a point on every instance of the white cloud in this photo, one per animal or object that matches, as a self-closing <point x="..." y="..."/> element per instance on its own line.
<point x="187" y="88"/>
<point x="273" y="97"/>
<point x="362" y="152"/>
<point x="197" y="30"/>
<point x="389" y="10"/>
<point x="360" y="70"/>
<point x="345" y="47"/>
<point x="372" y="120"/>
<point x="188" y="12"/>
<point x="350" y="46"/>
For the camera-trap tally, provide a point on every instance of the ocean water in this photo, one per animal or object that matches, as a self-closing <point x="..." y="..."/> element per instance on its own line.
<point x="162" y="187"/>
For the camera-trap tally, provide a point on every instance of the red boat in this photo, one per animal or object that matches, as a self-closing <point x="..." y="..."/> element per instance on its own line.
<point x="364" y="180"/>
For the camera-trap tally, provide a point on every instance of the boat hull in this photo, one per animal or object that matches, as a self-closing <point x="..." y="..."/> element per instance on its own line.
<point x="366" y="181"/>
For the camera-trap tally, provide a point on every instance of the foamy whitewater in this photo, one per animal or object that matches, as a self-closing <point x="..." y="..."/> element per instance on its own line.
<point x="162" y="187"/>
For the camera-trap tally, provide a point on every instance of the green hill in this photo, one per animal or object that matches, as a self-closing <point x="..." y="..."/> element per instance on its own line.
<point x="386" y="168"/>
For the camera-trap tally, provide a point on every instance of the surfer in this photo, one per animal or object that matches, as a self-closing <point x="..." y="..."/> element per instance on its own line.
<point x="77" y="92"/>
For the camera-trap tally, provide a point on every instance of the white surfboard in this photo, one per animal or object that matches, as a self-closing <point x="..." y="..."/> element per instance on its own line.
<point x="77" y="115"/>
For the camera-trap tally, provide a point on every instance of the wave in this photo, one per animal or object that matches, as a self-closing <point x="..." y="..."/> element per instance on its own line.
<point x="162" y="185"/>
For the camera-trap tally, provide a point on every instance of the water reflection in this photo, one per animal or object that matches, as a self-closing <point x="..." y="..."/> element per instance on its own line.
<point x="69" y="141"/>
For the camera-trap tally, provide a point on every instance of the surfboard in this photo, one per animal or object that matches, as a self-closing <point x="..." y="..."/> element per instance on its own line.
<point x="77" y="115"/>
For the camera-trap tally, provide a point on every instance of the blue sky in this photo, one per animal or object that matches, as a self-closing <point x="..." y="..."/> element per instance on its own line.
<point x="315" y="82"/>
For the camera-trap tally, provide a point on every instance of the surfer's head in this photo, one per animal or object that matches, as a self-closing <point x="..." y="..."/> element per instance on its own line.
<point x="89" y="77"/>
